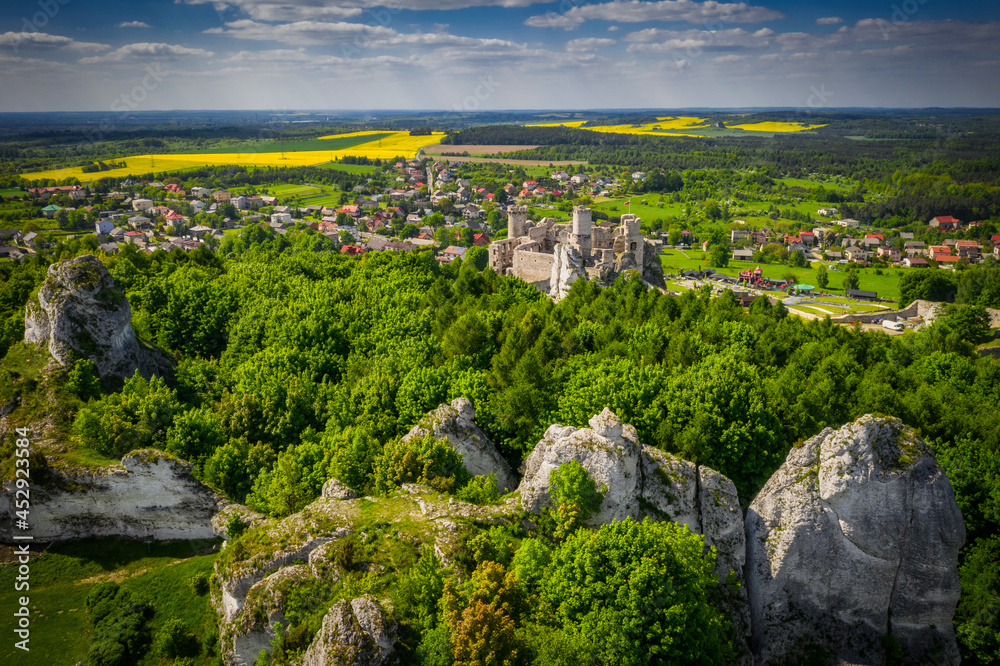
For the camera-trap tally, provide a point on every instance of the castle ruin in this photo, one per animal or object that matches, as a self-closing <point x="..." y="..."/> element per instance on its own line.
<point x="551" y="256"/>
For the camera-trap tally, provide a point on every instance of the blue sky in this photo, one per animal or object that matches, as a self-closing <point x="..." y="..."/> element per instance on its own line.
<point x="101" y="55"/>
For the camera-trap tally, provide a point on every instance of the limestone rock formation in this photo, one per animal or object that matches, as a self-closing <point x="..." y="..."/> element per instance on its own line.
<point x="652" y="268"/>
<point x="150" y="495"/>
<point x="455" y="423"/>
<point x="567" y="268"/>
<point x="334" y="489"/>
<point x="355" y="633"/>
<point x="855" y="538"/>
<point x="640" y="481"/>
<point x="80" y="311"/>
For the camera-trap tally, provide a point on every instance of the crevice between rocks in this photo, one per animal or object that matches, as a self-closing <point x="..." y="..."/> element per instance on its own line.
<point x="697" y="498"/>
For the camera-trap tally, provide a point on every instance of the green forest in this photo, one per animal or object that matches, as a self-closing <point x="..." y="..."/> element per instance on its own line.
<point x="295" y="365"/>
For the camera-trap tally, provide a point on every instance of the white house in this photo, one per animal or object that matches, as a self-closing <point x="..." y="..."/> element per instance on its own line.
<point x="141" y="204"/>
<point x="281" y="218"/>
<point x="103" y="227"/>
<point x="201" y="192"/>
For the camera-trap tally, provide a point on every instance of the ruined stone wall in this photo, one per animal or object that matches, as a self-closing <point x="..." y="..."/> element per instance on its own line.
<point x="533" y="267"/>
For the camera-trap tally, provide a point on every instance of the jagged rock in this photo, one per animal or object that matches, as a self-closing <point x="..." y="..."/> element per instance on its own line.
<point x="855" y="538"/>
<point x="334" y="489"/>
<point x="567" y="268"/>
<point x="355" y="633"/>
<point x="263" y="614"/>
<point x="652" y="268"/>
<point x="639" y="481"/>
<point x="625" y="261"/>
<point x="455" y="423"/>
<point x="80" y="312"/>
<point x="150" y="495"/>
<point x="236" y="585"/>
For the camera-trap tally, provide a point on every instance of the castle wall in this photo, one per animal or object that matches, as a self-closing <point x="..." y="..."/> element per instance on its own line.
<point x="533" y="267"/>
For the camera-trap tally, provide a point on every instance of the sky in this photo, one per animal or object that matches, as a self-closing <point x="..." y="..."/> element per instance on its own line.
<point x="476" y="55"/>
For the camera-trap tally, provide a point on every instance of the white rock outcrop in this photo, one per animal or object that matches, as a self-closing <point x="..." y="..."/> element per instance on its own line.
<point x="640" y="481"/>
<point x="567" y="268"/>
<point x="355" y="633"/>
<point x="80" y="312"/>
<point x="150" y="495"/>
<point x="455" y="422"/>
<point x="855" y="539"/>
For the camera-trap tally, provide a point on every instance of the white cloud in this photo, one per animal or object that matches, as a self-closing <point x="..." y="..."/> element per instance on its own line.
<point x="654" y="40"/>
<point x="41" y="40"/>
<point x="134" y="24"/>
<point x="380" y="10"/>
<point x="589" y="44"/>
<point x="613" y="28"/>
<point x="145" y="50"/>
<point x="829" y="20"/>
<point x="638" y="11"/>
<point x="351" y="35"/>
<point x="304" y="32"/>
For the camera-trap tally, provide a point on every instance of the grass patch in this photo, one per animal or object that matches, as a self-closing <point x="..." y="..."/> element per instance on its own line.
<point x="62" y="577"/>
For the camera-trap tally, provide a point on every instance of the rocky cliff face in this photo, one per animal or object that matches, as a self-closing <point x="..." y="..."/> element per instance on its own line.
<point x="855" y="539"/>
<point x="80" y="312"/>
<point x="455" y="423"/>
<point x="652" y="268"/>
<point x="567" y="268"/>
<point x="150" y="495"/>
<point x="278" y="556"/>
<point x="640" y="481"/>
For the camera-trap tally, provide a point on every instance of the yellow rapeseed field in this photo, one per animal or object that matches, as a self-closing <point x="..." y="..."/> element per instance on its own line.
<point x="395" y="145"/>
<point x="775" y="127"/>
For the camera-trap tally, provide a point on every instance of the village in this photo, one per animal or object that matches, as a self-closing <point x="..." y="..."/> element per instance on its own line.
<point x="423" y="204"/>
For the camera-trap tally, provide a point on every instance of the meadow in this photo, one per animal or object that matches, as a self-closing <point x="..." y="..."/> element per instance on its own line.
<point x="62" y="577"/>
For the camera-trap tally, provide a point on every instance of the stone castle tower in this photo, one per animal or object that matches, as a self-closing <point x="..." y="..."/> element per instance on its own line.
<point x="634" y="239"/>
<point x="582" y="235"/>
<point x="517" y="221"/>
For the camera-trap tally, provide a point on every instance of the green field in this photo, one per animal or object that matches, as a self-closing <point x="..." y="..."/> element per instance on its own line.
<point x="885" y="285"/>
<point x="62" y="577"/>
<point x="275" y="146"/>
<point x="351" y="168"/>
<point x="11" y="192"/>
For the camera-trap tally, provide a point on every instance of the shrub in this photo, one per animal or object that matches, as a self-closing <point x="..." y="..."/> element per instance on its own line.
<point x="174" y="640"/>
<point x="480" y="490"/>
<point x="419" y="460"/>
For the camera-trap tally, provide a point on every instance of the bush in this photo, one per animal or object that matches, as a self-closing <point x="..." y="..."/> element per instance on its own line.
<point x="83" y="381"/>
<point x="235" y="526"/>
<point x="480" y="490"/>
<point x="174" y="640"/>
<point x="419" y="460"/>
<point x="199" y="583"/>
<point x="119" y="619"/>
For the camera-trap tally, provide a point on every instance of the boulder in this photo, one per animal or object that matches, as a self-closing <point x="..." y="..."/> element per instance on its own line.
<point x="567" y="268"/>
<point x="852" y="542"/>
<point x="355" y="633"/>
<point x="79" y="312"/>
<point x="455" y="423"/>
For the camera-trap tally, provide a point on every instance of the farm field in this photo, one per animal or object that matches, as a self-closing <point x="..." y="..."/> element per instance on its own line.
<point x="776" y="127"/>
<point x="474" y="151"/>
<point x="378" y="146"/>
<point x="334" y="142"/>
